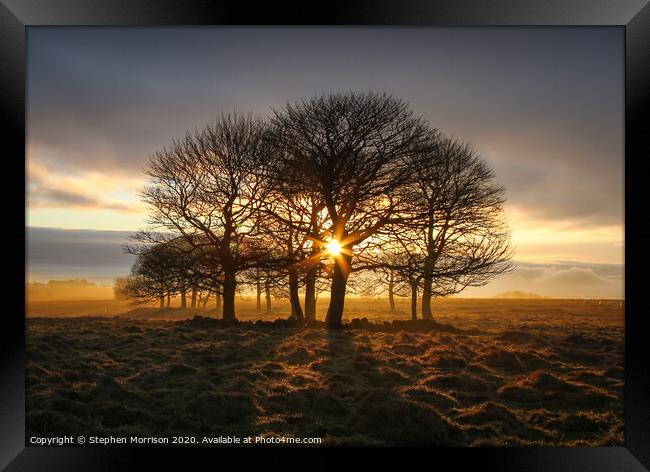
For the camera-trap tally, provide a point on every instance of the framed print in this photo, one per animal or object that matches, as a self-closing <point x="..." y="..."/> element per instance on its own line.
<point x="388" y="225"/>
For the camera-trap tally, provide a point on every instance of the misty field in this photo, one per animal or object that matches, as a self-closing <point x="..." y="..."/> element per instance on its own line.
<point x="489" y="372"/>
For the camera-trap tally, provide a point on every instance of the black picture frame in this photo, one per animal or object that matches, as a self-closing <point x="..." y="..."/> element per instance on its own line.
<point x="633" y="15"/>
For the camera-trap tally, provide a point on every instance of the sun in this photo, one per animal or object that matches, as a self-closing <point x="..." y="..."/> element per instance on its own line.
<point x="334" y="247"/>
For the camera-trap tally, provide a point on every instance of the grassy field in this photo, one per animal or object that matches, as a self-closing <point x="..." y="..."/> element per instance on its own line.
<point x="509" y="372"/>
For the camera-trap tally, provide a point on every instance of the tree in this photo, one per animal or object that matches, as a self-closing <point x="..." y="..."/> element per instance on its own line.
<point x="185" y="263"/>
<point x="272" y="283"/>
<point x="386" y="277"/>
<point x="293" y="223"/>
<point x="153" y="276"/>
<point x="287" y="247"/>
<point x="119" y="288"/>
<point x="351" y="151"/>
<point x="332" y="185"/>
<point x="207" y="188"/>
<point x="399" y="262"/>
<point x="454" y="232"/>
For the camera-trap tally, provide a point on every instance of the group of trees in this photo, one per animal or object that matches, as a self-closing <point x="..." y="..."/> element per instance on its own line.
<point x="259" y="201"/>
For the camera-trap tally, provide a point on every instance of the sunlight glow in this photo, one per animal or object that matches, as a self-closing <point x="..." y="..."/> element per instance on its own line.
<point x="334" y="247"/>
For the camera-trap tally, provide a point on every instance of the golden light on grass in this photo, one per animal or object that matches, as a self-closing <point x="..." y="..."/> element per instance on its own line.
<point x="334" y="247"/>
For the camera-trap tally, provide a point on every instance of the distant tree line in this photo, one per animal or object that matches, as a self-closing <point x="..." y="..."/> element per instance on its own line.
<point x="334" y="185"/>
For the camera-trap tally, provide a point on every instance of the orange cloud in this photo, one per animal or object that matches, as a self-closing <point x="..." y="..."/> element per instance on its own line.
<point x="87" y="191"/>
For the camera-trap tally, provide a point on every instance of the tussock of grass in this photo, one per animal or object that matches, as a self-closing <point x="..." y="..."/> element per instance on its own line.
<point x="546" y="382"/>
<point x="579" y="340"/>
<point x="545" y="388"/>
<point x="501" y="359"/>
<point x="518" y="337"/>
<point x="488" y="412"/>
<point x="414" y="423"/>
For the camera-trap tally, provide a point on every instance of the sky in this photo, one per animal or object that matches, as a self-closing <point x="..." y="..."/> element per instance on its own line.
<point x="544" y="106"/>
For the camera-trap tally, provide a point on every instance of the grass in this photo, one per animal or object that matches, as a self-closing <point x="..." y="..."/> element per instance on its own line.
<point x="509" y="372"/>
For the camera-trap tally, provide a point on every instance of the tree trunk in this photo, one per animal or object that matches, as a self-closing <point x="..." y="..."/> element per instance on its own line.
<point x="183" y="299"/>
<point x="391" y="292"/>
<point x="414" y="300"/>
<point x="267" y="293"/>
<point x="426" y="299"/>
<point x="310" y="294"/>
<point x="334" y="316"/>
<point x="259" y="294"/>
<point x="294" y="298"/>
<point x="218" y="295"/>
<point x="193" y="297"/>
<point x="169" y="298"/>
<point x="162" y="301"/>
<point x="229" y="286"/>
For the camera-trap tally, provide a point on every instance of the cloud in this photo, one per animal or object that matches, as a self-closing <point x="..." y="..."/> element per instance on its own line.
<point x="60" y="197"/>
<point x="545" y="107"/>
<point x="587" y="194"/>
<point x="67" y="254"/>
<point x="564" y="279"/>
<point x="574" y="276"/>
<point x="45" y="197"/>
<point x="49" y="189"/>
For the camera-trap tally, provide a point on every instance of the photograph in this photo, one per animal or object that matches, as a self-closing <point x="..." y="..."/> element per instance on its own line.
<point x="321" y="236"/>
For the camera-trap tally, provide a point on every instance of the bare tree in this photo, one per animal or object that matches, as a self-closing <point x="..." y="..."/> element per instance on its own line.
<point x="400" y="262"/>
<point x="335" y="184"/>
<point x="119" y="288"/>
<point x="288" y="251"/>
<point x="295" y="219"/>
<point x="293" y="223"/>
<point x="350" y="150"/>
<point x="386" y="278"/>
<point x="454" y="230"/>
<point x="153" y="276"/>
<point x="261" y="281"/>
<point x="207" y="187"/>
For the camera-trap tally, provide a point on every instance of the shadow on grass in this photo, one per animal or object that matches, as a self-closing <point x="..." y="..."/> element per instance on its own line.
<point x="374" y="412"/>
